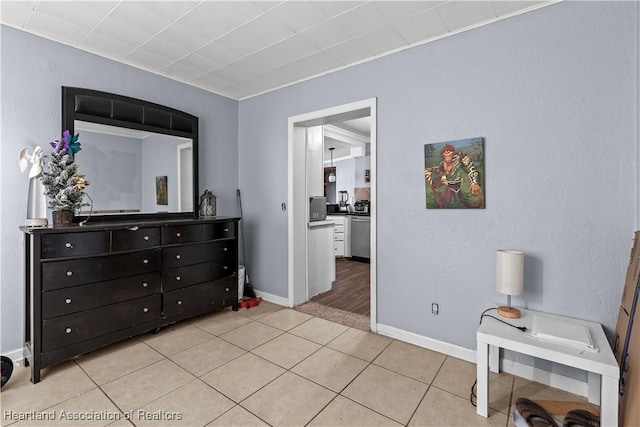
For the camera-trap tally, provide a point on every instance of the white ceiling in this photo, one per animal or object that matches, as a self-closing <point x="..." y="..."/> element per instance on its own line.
<point x="239" y="49"/>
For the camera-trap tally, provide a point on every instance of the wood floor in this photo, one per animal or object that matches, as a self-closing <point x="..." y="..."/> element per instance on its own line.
<point x="350" y="291"/>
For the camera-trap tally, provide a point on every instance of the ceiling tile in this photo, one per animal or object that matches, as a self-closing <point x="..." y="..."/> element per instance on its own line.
<point x="269" y="29"/>
<point x="146" y="60"/>
<point x="170" y="10"/>
<point x="122" y="31"/>
<point x="266" y="5"/>
<point x="332" y="8"/>
<point x="76" y="12"/>
<point x="101" y="6"/>
<point x="199" y="62"/>
<point x="360" y="20"/>
<point x="219" y="53"/>
<point x="107" y="46"/>
<point x="16" y="13"/>
<point x="216" y="18"/>
<point x="507" y="7"/>
<point x="382" y="40"/>
<point x="348" y="52"/>
<point x="318" y="63"/>
<point x="423" y="26"/>
<point x="325" y="35"/>
<point x="460" y="14"/>
<point x="395" y="10"/>
<point x="189" y="38"/>
<point x="135" y="14"/>
<point x="235" y="72"/>
<point x="241" y="41"/>
<point x="181" y="72"/>
<point x="210" y="81"/>
<point x="166" y="49"/>
<point x="297" y="15"/>
<point x="54" y="28"/>
<point x="286" y="51"/>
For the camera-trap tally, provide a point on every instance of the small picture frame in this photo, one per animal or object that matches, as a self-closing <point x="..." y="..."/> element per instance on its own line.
<point x="162" y="195"/>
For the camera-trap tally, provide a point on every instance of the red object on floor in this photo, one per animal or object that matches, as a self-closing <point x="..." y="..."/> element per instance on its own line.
<point x="249" y="302"/>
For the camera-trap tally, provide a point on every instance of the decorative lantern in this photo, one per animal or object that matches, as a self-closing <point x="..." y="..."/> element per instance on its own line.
<point x="207" y="204"/>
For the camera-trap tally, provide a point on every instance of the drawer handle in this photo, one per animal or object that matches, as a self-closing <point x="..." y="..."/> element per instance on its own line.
<point x="145" y="284"/>
<point x="179" y="302"/>
<point x="226" y="230"/>
<point x="146" y="237"/>
<point x="225" y="249"/>
<point x="68" y="301"/>
<point x="145" y="261"/>
<point x="68" y="330"/>
<point x="226" y="289"/>
<point x="145" y="309"/>
<point x="178" y="256"/>
<point x="178" y="234"/>
<point x="178" y="278"/>
<point x="69" y="273"/>
<point x="225" y="268"/>
<point x="68" y="245"/>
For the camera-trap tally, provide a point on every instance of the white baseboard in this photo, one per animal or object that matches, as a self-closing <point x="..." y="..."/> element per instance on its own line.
<point x="15" y="355"/>
<point x="273" y="298"/>
<point x="429" y="343"/>
<point x="509" y="366"/>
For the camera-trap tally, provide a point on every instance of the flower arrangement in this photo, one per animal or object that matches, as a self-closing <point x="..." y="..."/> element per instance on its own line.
<point x="63" y="184"/>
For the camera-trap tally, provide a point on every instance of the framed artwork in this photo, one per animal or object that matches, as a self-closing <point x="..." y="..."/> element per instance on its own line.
<point x="454" y="174"/>
<point x="162" y="197"/>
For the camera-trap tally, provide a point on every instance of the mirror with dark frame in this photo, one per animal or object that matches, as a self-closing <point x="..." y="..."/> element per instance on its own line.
<point x="140" y="158"/>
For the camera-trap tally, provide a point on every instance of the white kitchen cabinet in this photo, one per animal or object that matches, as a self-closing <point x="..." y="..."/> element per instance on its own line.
<point x="341" y="243"/>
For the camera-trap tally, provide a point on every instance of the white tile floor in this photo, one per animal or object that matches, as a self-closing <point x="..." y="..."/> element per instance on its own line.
<point x="264" y="366"/>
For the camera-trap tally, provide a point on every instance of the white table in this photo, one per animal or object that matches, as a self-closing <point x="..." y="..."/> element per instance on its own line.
<point x="602" y="368"/>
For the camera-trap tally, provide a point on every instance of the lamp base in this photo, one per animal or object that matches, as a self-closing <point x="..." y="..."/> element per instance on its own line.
<point x="510" y="312"/>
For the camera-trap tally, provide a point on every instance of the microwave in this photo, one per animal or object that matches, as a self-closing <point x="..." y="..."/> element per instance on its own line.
<point x="317" y="208"/>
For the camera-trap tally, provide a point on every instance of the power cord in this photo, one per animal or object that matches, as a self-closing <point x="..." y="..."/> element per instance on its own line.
<point x="472" y="398"/>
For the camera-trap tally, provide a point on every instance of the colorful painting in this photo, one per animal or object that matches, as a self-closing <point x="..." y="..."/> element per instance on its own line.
<point x="454" y="174"/>
<point x="162" y="197"/>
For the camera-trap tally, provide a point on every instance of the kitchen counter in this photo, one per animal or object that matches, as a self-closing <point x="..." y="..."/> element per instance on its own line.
<point x="348" y="214"/>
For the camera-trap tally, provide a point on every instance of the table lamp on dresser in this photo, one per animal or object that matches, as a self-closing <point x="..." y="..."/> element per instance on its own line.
<point x="509" y="279"/>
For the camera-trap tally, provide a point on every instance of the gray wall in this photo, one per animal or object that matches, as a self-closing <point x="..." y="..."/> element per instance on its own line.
<point x="113" y="163"/>
<point x="33" y="71"/>
<point x="555" y="94"/>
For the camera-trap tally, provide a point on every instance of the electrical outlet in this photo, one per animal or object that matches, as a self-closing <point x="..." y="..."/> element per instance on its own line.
<point x="435" y="308"/>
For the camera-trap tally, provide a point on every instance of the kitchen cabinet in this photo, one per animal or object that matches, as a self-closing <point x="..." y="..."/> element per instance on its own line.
<point x="87" y="287"/>
<point x="339" y="233"/>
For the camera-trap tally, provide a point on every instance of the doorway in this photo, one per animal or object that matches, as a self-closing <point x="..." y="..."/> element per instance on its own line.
<point x="298" y="212"/>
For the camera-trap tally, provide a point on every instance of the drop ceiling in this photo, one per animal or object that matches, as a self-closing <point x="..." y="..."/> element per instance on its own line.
<point x="240" y="49"/>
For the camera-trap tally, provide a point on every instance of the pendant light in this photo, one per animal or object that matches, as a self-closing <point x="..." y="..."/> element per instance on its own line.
<point x="332" y="174"/>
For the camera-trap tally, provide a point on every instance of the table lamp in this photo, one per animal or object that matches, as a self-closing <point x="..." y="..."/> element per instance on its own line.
<point x="509" y="279"/>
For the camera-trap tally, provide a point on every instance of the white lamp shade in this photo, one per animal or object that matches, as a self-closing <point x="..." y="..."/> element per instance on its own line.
<point x="509" y="272"/>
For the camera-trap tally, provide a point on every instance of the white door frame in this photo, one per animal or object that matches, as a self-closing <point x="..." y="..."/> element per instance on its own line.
<point x="298" y="201"/>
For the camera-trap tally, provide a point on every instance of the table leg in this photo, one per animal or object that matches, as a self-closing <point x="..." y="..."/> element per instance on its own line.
<point x="609" y="402"/>
<point x="494" y="359"/>
<point x="482" y="389"/>
<point x="594" y="387"/>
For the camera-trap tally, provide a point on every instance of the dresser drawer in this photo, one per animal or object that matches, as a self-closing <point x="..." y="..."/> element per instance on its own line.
<point x="191" y="298"/>
<point x="78" y="298"/>
<point x="177" y="256"/>
<point x="135" y="238"/>
<point x="75" y="244"/>
<point x="180" y="277"/>
<point x="174" y="234"/>
<point x="220" y="230"/>
<point x="63" y="274"/>
<point x="66" y="330"/>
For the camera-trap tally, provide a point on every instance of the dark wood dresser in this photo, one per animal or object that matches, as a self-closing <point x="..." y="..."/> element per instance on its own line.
<point x="87" y="287"/>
